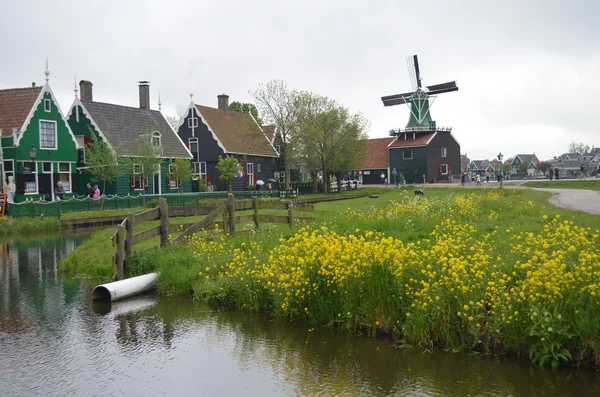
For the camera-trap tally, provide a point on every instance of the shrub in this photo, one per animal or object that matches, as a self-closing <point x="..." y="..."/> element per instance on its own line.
<point x="250" y="187"/>
<point x="152" y="203"/>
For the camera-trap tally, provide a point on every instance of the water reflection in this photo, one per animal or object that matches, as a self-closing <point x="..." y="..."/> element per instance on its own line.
<point x="55" y="342"/>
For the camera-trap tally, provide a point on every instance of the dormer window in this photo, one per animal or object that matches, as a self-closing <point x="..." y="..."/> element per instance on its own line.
<point x="193" y="122"/>
<point x="156" y="139"/>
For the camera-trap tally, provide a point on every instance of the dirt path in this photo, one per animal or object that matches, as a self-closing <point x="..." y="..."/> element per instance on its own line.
<point x="575" y="199"/>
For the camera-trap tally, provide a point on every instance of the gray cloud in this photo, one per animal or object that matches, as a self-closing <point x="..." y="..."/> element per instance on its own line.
<point x="527" y="70"/>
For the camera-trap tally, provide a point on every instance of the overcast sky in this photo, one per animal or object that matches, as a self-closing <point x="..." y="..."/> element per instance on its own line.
<point x="527" y="71"/>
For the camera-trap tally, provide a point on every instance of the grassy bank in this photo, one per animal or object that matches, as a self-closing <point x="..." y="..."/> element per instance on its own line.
<point x="587" y="184"/>
<point x="490" y="271"/>
<point x="10" y="227"/>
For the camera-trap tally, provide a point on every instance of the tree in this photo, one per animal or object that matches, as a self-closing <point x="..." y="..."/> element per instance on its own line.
<point x="173" y="122"/>
<point x="101" y="162"/>
<point x="181" y="171"/>
<point x="543" y="166"/>
<point x="228" y="168"/>
<point x="144" y="160"/>
<point x="507" y="165"/>
<point x="276" y="102"/>
<point x="523" y="167"/>
<point x="329" y="137"/>
<point x="246" y="108"/>
<point x="579" y="148"/>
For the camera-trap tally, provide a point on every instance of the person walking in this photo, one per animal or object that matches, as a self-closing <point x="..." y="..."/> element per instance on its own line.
<point x="556" y="173"/>
<point x="90" y="191"/>
<point x="96" y="193"/>
<point x="478" y="179"/>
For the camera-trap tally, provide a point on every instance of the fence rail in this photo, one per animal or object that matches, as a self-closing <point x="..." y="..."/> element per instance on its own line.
<point x="57" y="208"/>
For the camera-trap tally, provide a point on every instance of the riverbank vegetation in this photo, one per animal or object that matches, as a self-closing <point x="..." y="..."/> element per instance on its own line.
<point x="489" y="271"/>
<point x="13" y="227"/>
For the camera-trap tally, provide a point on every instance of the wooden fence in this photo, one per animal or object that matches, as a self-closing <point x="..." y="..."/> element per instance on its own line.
<point x="125" y="239"/>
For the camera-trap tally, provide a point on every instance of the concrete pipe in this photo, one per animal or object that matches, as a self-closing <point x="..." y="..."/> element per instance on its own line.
<point x="125" y="288"/>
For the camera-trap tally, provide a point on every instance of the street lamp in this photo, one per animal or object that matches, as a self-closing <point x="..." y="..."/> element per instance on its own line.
<point x="500" y="157"/>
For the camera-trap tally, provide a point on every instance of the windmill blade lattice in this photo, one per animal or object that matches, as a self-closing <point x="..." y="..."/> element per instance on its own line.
<point x="412" y="73"/>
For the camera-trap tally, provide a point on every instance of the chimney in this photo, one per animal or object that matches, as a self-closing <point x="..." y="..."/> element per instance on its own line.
<point x="223" y="102"/>
<point x="144" y="94"/>
<point x="33" y="84"/>
<point x="85" y="88"/>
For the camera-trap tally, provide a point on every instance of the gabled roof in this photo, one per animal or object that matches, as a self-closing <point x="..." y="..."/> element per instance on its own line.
<point x="420" y="140"/>
<point x="123" y="125"/>
<point x="15" y="106"/>
<point x="377" y="153"/>
<point x="237" y="132"/>
<point x="269" y="131"/>
<point x="528" y="158"/>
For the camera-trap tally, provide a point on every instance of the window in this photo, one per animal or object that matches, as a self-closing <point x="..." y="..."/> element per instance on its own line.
<point x="137" y="180"/>
<point x="282" y="175"/>
<point x="171" y="182"/>
<point x="444" y="153"/>
<point x="64" y="175"/>
<point x="193" y="122"/>
<point x="250" y="172"/>
<point x="8" y="171"/>
<point x="258" y="167"/>
<point x="444" y="169"/>
<point x="278" y="147"/>
<point x="156" y="139"/>
<point x="407" y="154"/>
<point x="29" y="176"/>
<point x="47" y="107"/>
<point x="47" y="168"/>
<point x="47" y="134"/>
<point x="193" y="145"/>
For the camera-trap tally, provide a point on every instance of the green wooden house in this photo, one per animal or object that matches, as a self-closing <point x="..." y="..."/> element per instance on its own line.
<point x="37" y="146"/>
<point x="121" y="127"/>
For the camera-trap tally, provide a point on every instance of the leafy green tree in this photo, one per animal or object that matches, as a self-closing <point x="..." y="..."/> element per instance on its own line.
<point x="144" y="161"/>
<point x="246" y="108"/>
<point x="101" y="162"/>
<point x="181" y="171"/>
<point x="228" y="168"/>
<point x="523" y="167"/>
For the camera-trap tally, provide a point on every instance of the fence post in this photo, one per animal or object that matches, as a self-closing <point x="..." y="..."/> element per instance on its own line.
<point x="128" y="241"/>
<point x="120" y="253"/>
<point x="225" y="220"/>
<point x="164" y="223"/>
<point x="231" y="213"/>
<point x="255" y="207"/>
<point x="290" y="213"/>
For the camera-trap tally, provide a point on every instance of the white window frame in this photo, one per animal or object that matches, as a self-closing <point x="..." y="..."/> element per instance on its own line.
<point x="282" y="175"/>
<point x="444" y="152"/>
<point x="154" y="136"/>
<point x="172" y="181"/>
<point x="404" y="154"/>
<point x="194" y="140"/>
<point x="193" y="121"/>
<point x="47" y="105"/>
<point x="8" y="173"/>
<point x="70" y="189"/>
<point x="258" y="167"/>
<point x="55" y="135"/>
<point x="34" y="171"/>
<point x="51" y="167"/>
<point x="444" y="169"/>
<point x="250" y="172"/>
<point x="138" y="176"/>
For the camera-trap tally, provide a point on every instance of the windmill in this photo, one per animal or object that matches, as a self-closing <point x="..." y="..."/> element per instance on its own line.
<point x="418" y="99"/>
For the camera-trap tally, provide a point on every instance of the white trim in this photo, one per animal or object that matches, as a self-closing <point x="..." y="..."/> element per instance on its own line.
<point x="411" y="155"/>
<point x="197" y="146"/>
<point x="254" y="154"/>
<point x="47" y="101"/>
<point x="444" y="173"/>
<point x="40" y="135"/>
<point x="58" y="171"/>
<point x="430" y="139"/>
<point x="407" y="147"/>
<point x="171" y="179"/>
<point x="29" y="117"/>
<point x="77" y="102"/>
<point x="455" y="140"/>
<point x="51" y="167"/>
<point x="444" y="152"/>
<point x="265" y="135"/>
<point x="159" y="174"/>
<point x="37" y="188"/>
<point x="211" y="130"/>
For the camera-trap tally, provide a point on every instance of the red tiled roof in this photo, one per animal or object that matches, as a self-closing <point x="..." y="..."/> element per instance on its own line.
<point x="238" y="132"/>
<point x="269" y="131"/>
<point x="420" y="140"/>
<point x="15" y="105"/>
<point x="377" y="153"/>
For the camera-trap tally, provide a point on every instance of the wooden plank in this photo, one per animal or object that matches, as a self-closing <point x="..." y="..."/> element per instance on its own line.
<point x="128" y="241"/>
<point x="96" y="220"/>
<point x="304" y="207"/>
<point x="242" y="205"/>
<point x="273" y="218"/>
<point x="240" y="219"/>
<point x="164" y="223"/>
<point x="146" y="235"/>
<point x="146" y="216"/>
<point x="176" y="228"/>
<point x="120" y="257"/>
<point x="204" y="223"/>
<point x="273" y="205"/>
<point x="192" y="211"/>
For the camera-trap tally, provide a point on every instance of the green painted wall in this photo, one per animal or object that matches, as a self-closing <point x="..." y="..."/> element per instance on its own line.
<point x="412" y="170"/>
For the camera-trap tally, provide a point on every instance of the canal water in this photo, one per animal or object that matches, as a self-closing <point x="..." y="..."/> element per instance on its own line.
<point x="55" y="342"/>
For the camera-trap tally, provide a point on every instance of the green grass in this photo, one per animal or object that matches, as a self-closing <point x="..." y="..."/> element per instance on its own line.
<point x="99" y="213"/>
<point x="585" y="184"/>
<point x="10" y="227"/>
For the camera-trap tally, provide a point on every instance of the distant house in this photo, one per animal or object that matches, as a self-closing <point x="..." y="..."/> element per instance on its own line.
<point x="213" y="132"/>
<point x="376" y="162"/>
<point x="481" y="167"/>
<point x="37" y="147"/>
<point x="530" y="159"/>
<point x="121" y="127"/>
<point x="465" y="162"/>
<point x="425" y="155"/>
